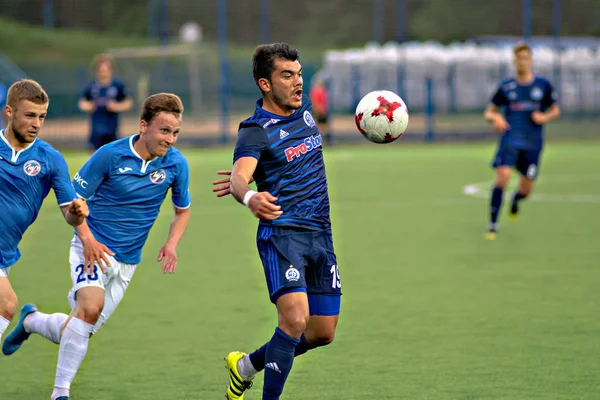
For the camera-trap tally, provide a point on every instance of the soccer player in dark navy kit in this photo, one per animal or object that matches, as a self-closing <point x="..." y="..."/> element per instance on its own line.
<point x="280" y="148"/>
<point x="528" y="102"/>
<point x="104" y="98"/>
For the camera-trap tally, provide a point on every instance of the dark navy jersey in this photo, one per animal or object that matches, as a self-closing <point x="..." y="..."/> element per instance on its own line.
<point x="104" y="122"/>
<point x="519" y="101"/>
<point x="290" y="164"/>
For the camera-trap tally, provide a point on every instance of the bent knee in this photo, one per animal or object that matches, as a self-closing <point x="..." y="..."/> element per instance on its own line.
<point x="323" y="339"/>
<point x="294" y="324"/>
<point x="89" y="313"/>
<point x="8" y="305"/>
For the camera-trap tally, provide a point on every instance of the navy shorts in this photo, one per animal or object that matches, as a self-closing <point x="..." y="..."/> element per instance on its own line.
<point x="98" y="140"/>
<point x="297" y="260"/>
<point x="527" y="162"/>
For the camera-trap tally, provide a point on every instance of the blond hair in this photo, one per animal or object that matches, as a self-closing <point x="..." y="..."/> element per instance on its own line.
<point x="26" y="89"/>
<point x="101" y="59"/>
<point x="161" y="102"/>
<point x="521" y="46"/>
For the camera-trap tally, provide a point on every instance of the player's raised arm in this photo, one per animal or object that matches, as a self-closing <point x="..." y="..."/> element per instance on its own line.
<point x="251" y="143"/>
<point x="262" y="204"/>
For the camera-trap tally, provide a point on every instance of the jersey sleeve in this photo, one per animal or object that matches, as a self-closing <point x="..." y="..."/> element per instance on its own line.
<point x="121" y="92"/>
<point x="499" y="99"/>
<point x="251" y="142"/>
<point x="87" y="93"/>
<point x="549" y="96"/>
<point x="180" y="189"/>
<point x="61" y="181"/>
<point x="94" y="171"/>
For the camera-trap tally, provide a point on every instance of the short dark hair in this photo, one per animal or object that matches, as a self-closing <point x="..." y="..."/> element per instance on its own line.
<point x="161" y="102"/>
<point x="263" y="60"/>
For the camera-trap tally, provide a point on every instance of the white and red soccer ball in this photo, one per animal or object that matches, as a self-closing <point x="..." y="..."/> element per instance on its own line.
<point x="381" y="116"/>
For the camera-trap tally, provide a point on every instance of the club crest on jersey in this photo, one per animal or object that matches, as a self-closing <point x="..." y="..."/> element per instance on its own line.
<point x="536" y="93"/>
<point x="292" y="274"/>
<point x="32" y="168"/>
<point x="309" y="144"/>
<point x="308" y="119"/>
<point x="158" y="176"/>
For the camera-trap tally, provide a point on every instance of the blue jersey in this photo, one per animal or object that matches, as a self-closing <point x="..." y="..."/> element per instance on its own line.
<point x="125" y="193"/>
<point x="290" y="164"/>
<point x="26" y="177"/>
<point x="104" y="122"/>
<point x="519" y="101"/>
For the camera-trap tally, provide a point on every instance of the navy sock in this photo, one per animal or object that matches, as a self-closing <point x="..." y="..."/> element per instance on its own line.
<point x="279" y="358"/>
<point x="496" y="203"/>
<point x="257" y="358"/>
<point x="518" y="196"/>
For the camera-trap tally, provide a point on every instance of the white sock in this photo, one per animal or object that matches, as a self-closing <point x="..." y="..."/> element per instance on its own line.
<point x="3" y="325"/>
<point x="73" y="346"/>
<point x="46" y="325"/>
<point x="246" y="369"/>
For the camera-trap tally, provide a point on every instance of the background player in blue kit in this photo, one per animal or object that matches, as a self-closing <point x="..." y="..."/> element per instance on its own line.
<point x="280" y="148"/>
<point x="104" y="98"/>
<point x="29" y="168"/>
<point x="125" y="183"/>
<point x="529" y="102"/>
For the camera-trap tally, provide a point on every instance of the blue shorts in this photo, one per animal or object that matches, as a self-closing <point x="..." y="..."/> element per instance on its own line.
<point x="527" y="162"/>
<point x="297" y="260"/>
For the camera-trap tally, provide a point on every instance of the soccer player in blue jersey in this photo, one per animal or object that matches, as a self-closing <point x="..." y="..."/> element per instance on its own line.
<point x="280" y="148"/>
<point x="104" y="99"/>
<point x="125" y="184"/>
<point x="29" y="168"/>
<point x="528" y="102"/>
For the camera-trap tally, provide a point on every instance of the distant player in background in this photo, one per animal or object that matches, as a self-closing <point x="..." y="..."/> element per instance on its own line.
<point x="3" y="116"/>
<point x="518" y="110"/>
<point x="104" y="99"/>
<point x="126" y="183"/>
<point x="280" y="147"/>
<point x="29" y="168"/>
<point x="320" y="103"/>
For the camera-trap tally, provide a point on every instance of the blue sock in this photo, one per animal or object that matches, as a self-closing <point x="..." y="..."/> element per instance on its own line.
<point x="279" y="358"/>
<point x="496" y="203"/>
<point x="257" y="358"/>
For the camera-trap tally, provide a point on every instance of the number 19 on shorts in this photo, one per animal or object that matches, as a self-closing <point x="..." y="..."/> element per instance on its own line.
<point x="335" y="277"/>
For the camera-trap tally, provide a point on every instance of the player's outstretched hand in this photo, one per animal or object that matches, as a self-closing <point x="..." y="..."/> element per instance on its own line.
<point x="168" y="256"/>
<point x="79" y="207"/>
<point x="95" y="253"/>
<point x="263" y="206"/>
<point x="539" y="117"/>
<point x="500" y="124"/>
<point x="224" y="188"/>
